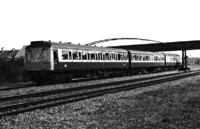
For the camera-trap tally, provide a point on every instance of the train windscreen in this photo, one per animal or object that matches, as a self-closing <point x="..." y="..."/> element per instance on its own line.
<point x="37" y="55"/>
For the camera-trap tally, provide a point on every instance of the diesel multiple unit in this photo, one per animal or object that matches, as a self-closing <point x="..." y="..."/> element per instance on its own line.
<point x="51" y="62"/>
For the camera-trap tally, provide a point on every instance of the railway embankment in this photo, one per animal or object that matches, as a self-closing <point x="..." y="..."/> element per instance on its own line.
<point x="173" y="104"/>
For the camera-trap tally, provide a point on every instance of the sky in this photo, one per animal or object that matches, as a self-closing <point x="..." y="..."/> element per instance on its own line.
<point x="85" y="21"/>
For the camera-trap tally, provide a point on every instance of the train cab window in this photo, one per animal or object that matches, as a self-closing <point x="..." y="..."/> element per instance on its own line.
<point x="65" y="54"/>
<point x="75" y="55"/>
<point x="84" y="55"/>
<point x="37" y="55"/>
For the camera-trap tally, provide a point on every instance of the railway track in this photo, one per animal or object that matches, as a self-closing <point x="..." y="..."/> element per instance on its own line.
<point x="31" y="84"/>
<point x="22" y="103"/>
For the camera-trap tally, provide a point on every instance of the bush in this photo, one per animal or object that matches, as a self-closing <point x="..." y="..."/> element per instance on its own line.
<point x="11" y="70"/>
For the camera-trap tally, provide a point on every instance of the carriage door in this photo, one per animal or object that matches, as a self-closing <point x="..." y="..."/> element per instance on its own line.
<point x="55" y="59"/>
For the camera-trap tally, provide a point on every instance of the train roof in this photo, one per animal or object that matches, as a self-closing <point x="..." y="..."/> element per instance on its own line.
<point x="171" y="54"/>
<point x="69" y="45"/>
<point x="147" y="52"/>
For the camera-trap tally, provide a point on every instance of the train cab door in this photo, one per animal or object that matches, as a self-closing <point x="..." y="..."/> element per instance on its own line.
<point x="55" y="59"/>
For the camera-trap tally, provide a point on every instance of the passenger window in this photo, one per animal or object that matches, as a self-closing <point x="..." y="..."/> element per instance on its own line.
<point x="89" y="56"/>
<point x="106" y="56"/>
<point x="125" y="57"/>
<point x="143" y="58"/>
<point x="113" y="56"/>
<point x="65" y="54"/>
<point x="155" y="58"/>
<point x="96" y="55"/>
<point x="133" y="57"/>
<point x="84" y="57"/>
<point x="79" y="55"/>
<point x="70" y="55"/>
<point x="103" y="56"/>
<point x="140" y="57"/>
<point x="110" y="56"/>
<point x="75" y="55"/>
<point x="92" y="56"/>
<point x="119" y="56"/>
<point x="148" y="58"/>
<point x="116" y="57"/>
<point x="100" y="56"/>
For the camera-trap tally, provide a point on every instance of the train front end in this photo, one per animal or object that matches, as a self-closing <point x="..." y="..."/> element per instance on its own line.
<point x="38" y="60"/>
<point x="37" y="57"/>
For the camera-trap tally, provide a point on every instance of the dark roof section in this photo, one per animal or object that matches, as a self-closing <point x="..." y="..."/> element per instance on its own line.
<point x="164" y="46"/>
<point x="8" y="54"/>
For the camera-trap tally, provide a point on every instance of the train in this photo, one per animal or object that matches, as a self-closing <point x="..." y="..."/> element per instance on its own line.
<point x="52" y="62"/>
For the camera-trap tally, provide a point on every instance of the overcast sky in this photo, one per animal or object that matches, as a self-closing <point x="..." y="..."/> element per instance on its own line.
<point x="84" y="21"/>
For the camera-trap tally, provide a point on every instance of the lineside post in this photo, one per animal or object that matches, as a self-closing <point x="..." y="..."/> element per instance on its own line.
<point x="186" y="60"/>
<point x="183" y="59"/>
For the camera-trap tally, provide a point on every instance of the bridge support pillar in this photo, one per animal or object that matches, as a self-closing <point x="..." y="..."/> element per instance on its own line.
<point x="184" y="60"/>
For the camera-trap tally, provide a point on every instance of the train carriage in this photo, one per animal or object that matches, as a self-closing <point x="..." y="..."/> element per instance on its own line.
<point x="146" y="61"/>
<point x="172" y="61"/>
<point x="47" y="60"/>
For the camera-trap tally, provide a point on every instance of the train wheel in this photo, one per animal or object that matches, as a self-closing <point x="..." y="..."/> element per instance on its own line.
<point x="68" y="78"/>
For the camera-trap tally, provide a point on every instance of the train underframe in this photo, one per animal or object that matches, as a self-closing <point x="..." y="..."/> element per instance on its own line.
<point x="61" y="76"/>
